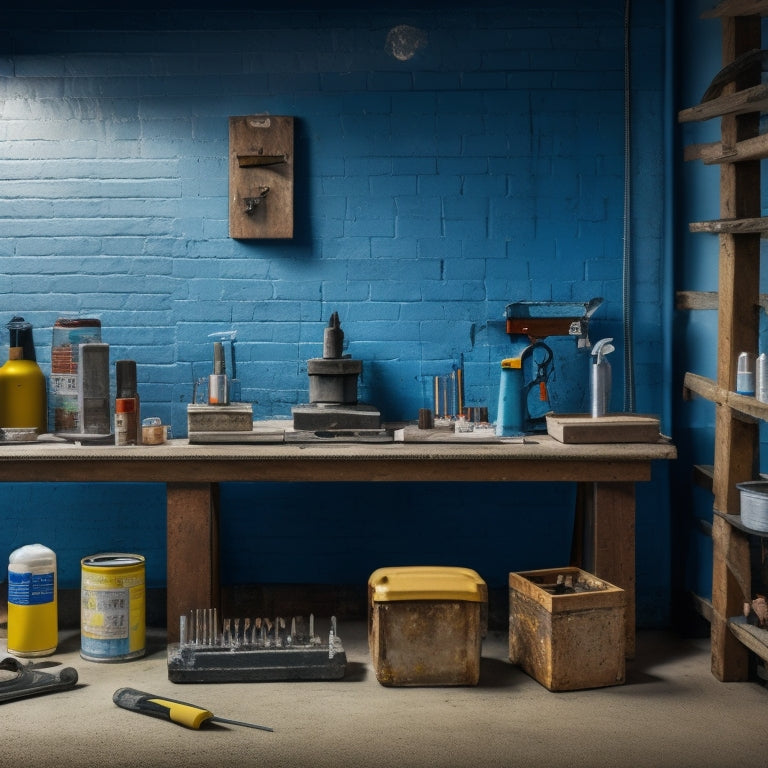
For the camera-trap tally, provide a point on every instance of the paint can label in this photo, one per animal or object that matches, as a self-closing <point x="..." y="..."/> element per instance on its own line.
<point x="112" y="607"/>
<point x="30" y="588"/>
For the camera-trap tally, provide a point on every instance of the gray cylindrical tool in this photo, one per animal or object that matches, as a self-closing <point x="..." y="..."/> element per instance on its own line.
<point x="125" y="378"/>
<point x="600" y="378"/>
<point x="761" y="378"/>
<point x="93" y="389"/>
<point x="218" y="388"/>
<point x="333" y="339"/>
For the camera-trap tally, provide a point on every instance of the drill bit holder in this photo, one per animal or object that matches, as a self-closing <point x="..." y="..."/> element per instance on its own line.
<point x="253" y="650"/>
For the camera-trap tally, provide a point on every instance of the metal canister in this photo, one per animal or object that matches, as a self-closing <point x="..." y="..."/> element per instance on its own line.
<point x="33" y="623"/>
<point x="510" y="417"/>
<point x="68" y="335"/>
<point x="761" y="378"/>
<point x="112" y="607"/>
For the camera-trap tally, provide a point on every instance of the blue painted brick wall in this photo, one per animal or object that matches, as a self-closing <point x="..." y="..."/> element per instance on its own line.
<point x="430" y="192"/>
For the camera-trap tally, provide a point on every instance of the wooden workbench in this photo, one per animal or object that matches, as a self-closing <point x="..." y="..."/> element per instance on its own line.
<point x="192" y="473"/>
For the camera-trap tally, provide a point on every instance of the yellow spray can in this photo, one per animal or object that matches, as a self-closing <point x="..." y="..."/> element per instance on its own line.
<point x="22" y="383"/>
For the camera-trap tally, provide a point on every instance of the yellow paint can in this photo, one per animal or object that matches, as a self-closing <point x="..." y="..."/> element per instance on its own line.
<point x="112" y="607"/>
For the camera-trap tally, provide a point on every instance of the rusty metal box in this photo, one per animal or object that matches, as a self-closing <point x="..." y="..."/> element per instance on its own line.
<point x="426" y="625"/>
<point x="566" y="628"/>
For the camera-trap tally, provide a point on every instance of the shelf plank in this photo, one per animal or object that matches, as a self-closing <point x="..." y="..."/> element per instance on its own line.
<point x="752" y="637"/>
<point x="714" y="153"/>
<point x="737" y="8"/>
<point x="754" y="99"/>
<point x="746" y="406"/>
<point x="702" y="606"/>
<point x="696" y="300"/>
<point x="702" y="476"/>
<point x="754" y="225"/>
<point x="693" y="152"/>
<point x="693" y="384"/>
<point x="735" y="521"/>
<point x="708" y="300"/>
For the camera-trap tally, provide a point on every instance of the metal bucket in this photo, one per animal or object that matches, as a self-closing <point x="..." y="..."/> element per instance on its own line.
<point x="112" y="607"/>
<point x="754" y="504"/>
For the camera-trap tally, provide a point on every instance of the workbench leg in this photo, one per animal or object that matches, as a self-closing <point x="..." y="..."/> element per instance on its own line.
<point x="610" y="544"/>
<point x="192" y="550"/>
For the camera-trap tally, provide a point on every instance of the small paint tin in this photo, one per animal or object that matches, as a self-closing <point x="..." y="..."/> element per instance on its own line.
<point x="112" y="607"/>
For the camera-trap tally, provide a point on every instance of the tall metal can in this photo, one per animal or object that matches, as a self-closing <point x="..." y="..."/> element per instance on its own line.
<point x="761" y="378"/>
<point x="33" y="623"/>
<point x="68" y="335"/>
<point x="510" y="418"/>
<point x="112" y="607"/>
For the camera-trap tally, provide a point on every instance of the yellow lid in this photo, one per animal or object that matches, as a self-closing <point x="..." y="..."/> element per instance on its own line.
<point x="427" y="582"/>
<point x="511" y="362"/>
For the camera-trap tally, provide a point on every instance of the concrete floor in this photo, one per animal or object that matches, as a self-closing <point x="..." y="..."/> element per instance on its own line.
<point x="672" y="712"/>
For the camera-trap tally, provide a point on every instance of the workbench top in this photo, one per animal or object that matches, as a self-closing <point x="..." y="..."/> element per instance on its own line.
<point x="529" y="458"/>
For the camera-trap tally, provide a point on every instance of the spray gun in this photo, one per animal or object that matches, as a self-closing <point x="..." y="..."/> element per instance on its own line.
<point x="600" y="378"/>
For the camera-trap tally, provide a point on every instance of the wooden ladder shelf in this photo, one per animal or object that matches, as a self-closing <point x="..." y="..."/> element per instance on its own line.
<point x="738" y="98"/>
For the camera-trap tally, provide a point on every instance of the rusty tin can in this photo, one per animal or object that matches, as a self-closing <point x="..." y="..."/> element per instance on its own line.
<point x="112" y="607"/>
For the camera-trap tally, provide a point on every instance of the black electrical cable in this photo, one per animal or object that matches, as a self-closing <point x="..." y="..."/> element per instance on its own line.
<point x="629" y="375"/>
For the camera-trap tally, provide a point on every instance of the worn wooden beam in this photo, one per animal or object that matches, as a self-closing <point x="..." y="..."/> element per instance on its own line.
<point x="754" y="99"/>
<point x="685" y="300"/>
<point x="696" y="300"/>
<point x="714" y="152"/>
<point x="693" y="152"/>
<point x="756" y="225"/>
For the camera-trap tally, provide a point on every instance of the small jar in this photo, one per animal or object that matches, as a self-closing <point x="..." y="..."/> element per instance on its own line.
<point x="745" y="374"/>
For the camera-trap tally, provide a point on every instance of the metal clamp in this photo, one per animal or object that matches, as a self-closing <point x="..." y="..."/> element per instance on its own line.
<point x="252" y="203"/>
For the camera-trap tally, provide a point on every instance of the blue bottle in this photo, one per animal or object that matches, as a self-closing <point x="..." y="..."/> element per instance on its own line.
<point x="510" y="418"/>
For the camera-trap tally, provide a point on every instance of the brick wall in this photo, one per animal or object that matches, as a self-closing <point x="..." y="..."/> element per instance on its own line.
<point x="430" y="192"/>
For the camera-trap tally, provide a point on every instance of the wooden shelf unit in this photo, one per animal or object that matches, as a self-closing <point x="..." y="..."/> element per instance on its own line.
<point x="739" y="229"/>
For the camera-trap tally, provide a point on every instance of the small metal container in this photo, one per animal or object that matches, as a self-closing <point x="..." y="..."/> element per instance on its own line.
<point x="112" y="607"/>
<point x="754" y="504"/>
<point x="745" y="374"/>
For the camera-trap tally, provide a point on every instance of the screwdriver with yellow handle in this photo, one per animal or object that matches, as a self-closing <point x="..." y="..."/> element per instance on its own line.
<point x="188" y="715"/>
